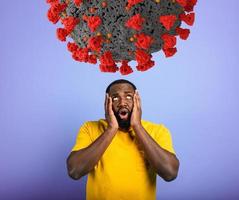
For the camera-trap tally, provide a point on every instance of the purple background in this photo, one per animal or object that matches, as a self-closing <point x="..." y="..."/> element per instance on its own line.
<point x="45" y="96"/>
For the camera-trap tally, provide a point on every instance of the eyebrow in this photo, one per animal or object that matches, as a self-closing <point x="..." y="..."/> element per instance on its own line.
<point x="126" y="92"/>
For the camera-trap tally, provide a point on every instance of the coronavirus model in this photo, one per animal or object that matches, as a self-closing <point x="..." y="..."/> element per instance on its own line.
<point x="115" y="32"/>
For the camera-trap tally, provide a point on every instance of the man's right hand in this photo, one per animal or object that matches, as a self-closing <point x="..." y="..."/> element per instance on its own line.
<point x="109" y="114"/>
<point x="83" y="161"/>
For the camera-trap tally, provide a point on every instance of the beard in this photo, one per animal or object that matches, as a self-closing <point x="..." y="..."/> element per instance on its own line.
<point x="124" y="122"/>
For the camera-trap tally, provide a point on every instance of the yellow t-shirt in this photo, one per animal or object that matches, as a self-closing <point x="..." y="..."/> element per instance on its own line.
<point x="122" y="173"/>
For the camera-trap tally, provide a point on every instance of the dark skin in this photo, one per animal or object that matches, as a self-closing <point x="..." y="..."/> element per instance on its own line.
<point x="164" y="163"/>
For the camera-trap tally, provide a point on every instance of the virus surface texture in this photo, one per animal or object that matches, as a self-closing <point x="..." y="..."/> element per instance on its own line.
<point x="115" y="32"/>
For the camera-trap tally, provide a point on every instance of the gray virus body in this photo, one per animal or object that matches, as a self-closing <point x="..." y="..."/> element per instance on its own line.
<point x="125" y="29"/>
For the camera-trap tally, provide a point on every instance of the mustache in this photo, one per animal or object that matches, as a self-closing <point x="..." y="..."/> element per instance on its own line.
<point x="122" y="109"/>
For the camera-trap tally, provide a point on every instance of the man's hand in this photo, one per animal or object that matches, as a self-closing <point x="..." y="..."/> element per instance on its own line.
<point x="164" y="163"/>
<point x="137" y="112"/>
<point x="83" y="161"/>
<point x="109" y="114"/>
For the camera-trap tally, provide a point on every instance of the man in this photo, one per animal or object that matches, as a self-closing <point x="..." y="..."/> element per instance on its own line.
<point x="122" y="154"/>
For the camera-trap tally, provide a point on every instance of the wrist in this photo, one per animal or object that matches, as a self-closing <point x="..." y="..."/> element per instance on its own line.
<point x="136" y="126"/>
<point x="112" y="129"/>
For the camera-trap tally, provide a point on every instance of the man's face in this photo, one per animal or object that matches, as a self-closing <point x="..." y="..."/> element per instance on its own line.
<point x="122" y="102"/>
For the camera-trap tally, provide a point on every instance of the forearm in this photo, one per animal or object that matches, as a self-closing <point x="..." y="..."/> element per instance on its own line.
<point x="81" y="162"/>
<point x="163" y="162"/>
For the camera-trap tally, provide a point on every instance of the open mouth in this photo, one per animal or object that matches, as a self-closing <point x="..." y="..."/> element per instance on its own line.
<point x="123" y="113"/>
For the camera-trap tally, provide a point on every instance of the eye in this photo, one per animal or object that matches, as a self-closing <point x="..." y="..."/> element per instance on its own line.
<point x="129" y="97"/>
<point x="115" y="98"/>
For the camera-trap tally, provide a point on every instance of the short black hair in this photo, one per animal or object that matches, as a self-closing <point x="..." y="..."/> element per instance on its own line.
<point x="118" y="82"/>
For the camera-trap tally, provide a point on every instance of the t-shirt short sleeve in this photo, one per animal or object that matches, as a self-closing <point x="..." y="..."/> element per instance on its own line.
<point x="163" y="138"/>
<point x="83" y="138"/>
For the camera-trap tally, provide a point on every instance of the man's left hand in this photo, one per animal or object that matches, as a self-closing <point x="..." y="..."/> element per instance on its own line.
<point x="137" y="112"/>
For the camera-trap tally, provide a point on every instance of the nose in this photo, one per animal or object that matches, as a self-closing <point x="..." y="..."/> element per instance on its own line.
<point x="122" y="102"/>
